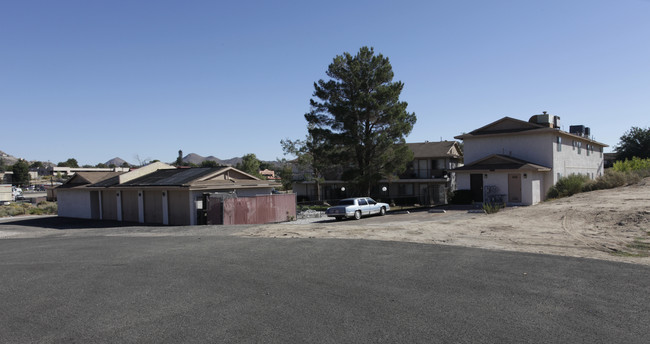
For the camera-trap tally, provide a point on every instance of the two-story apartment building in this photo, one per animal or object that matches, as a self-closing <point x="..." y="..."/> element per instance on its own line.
<point x="516" y="162"/>
<point x="426" y="180"/>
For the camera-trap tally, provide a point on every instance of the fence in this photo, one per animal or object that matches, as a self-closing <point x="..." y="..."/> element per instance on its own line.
<point x="250" y="210"/>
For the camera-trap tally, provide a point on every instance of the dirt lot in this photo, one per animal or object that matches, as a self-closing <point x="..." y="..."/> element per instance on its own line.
<point x="606" y="224"/>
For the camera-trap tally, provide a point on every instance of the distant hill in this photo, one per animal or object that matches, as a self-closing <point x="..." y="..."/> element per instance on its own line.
<point x="8" y="159"/>
<point x="196" y="159"/>
<point x="232" y="161"/>
<point x="213" y="158"/>
<point x="193" y="158"/>
<point x="116" y="162"/>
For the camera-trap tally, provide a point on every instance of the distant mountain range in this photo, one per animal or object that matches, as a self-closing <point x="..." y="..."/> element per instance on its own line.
<point x="196" y="159"/>
<point x="191" y="158"/>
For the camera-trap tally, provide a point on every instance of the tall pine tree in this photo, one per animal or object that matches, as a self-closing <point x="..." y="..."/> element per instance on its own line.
<point x="358" y="120"/>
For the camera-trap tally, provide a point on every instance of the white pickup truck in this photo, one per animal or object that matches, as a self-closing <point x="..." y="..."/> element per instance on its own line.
<point x="357" y="207"/>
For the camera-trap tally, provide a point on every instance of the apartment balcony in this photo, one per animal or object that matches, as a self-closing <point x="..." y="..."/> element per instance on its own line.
<point x="424" y="174"/>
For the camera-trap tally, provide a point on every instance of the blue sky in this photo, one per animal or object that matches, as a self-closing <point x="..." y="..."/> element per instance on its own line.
<point x="93" y="80"/>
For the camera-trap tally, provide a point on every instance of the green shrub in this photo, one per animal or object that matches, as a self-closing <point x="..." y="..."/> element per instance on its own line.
<point x="491" y="208"/>
<point x="36" y="211"/>
<point x="637" y="168"/>
<point x="312" y="207"/>
<point x="612" y="179"/>
<point x="636" y="164"/>
<point x="568" y="186"/>
<point x="51" y="209"/>
<point x="10" y="210"/>
<point x="42" y="208"/>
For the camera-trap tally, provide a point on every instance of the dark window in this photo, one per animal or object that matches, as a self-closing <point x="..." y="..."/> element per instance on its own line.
<point x="405" y="189"/>
<point x="362" y="202"/>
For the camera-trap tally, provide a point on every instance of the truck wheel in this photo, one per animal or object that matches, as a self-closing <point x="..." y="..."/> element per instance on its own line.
<point x="357" y="215"/>
<point x="382" y="211"/>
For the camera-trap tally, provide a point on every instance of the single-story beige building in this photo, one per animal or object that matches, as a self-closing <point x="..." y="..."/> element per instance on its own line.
<point x="155" y="194"/>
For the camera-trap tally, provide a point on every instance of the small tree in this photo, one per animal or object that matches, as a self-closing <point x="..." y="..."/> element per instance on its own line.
<point x="286" y="175"/>
<point x="36" y="164"/>
<point x="209" y="163"/>
<point x="141" y="161"/>
<point x="21" y="173"/>
<point x="179" y="159"/>
<point x="634" y="143"/>
<point x="249" y="164"/>
<point x="311" y="156"/>
<point x="69" y="163"/>
<point x="101" y="165"/>
<point x="265" y="165"/>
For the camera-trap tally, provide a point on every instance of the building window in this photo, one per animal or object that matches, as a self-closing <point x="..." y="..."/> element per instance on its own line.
<point x="573" y="144"/>
<point x="588" y="148"/>
<point x="405" y="189"/>
<point x="579" y="147"/>
<point x="559" y="144"/>
<point x="601" y="152"/>
<point x="559" y="176"/>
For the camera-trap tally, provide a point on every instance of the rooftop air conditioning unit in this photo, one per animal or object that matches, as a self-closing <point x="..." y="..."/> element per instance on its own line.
<point x="577" y="130"/>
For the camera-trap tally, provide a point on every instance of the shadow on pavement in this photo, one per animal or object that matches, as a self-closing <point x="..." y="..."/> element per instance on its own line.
<point x="63" y="223"/>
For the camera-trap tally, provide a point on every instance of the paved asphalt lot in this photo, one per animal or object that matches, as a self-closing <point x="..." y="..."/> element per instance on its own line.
<point x="88" y="282"/>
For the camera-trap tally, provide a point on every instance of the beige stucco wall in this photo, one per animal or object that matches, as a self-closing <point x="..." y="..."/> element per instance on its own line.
<point x="535" y="148"/>
<point x="568" y="161"/>
<point x="74" y="203"/>
<point x="532" y="186"/>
